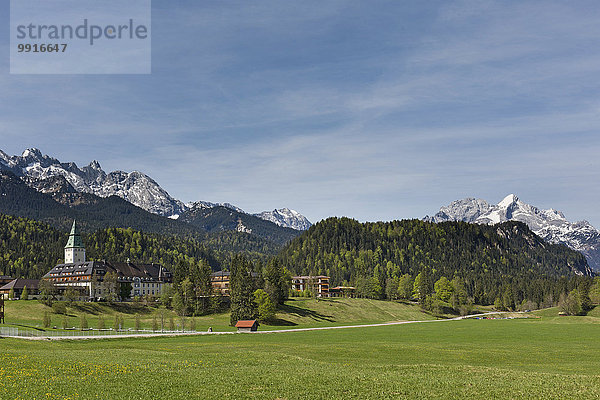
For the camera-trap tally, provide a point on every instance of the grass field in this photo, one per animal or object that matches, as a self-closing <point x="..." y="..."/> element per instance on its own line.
<point x="527" y="358"/>
<point x="299" y="312"/>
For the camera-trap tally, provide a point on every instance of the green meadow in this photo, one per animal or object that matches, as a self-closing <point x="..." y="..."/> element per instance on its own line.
<point x="548" y="357"/>
<point x="296" y="313"/>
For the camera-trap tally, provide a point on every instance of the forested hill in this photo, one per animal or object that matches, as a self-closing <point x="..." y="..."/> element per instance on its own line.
<point x="485" y="257"/>
<point x="29" y="249"/>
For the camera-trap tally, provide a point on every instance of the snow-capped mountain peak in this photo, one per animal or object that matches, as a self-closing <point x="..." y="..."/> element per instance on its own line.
<point x="135" y="187"/>
<point x="508" y="201"/>
<point x="551" y="224"/>
<point x="286" y="218"/>
<point x="41" y="171"/>
<point x="95" y="165"/>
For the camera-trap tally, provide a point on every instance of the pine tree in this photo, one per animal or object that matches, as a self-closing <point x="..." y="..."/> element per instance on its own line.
<point x="241" y="286"/>
<point x="277" y="283"/>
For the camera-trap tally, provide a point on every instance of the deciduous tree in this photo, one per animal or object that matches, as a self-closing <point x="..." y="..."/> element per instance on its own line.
<point x="265" y="306"/>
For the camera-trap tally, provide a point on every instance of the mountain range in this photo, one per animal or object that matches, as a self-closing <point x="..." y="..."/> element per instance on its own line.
<point x="551" y="225"/>
<point x="39" y="171"/>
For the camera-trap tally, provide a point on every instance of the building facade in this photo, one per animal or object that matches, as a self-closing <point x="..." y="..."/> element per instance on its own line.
<point x="318" y="285"/>
<point x="98" y="280"/>
<point x="220" y="282"/>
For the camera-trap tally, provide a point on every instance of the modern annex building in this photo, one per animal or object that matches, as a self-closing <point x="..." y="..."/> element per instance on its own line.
<point x="88" y="276"/>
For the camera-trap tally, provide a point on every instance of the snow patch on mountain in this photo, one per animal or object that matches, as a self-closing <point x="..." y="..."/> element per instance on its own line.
<point x="551" y="225"/>
<point x="286" y="218"/>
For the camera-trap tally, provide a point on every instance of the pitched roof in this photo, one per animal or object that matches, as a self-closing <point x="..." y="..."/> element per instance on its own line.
<point x="21" y="283"/>
<point x="246" y="323"/>
<point x="123" y="270"/>
<point x="74" y="238"/>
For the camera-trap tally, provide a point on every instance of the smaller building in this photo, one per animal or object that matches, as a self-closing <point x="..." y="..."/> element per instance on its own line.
<point x="220" y="282"/>
<point x="247" y="325"/>
<point x="17" y="286"/>
<point x="342" y="291"/>
<point x="318" y="284"/>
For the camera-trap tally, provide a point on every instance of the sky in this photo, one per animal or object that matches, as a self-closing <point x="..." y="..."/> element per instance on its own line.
<point x="376" y="110"/>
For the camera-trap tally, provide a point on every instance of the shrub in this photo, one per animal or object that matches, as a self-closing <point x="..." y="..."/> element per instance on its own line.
<point x="59" y="307"/>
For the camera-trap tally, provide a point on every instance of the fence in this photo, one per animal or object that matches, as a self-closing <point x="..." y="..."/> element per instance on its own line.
<point x="33" y="333"/>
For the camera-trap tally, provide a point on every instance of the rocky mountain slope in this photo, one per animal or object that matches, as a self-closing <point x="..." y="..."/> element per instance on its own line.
<point x="286" y="218"/>
<point x="41" y="171"/>
<point x="551" y="225"/>
<point x="135" y="187"/>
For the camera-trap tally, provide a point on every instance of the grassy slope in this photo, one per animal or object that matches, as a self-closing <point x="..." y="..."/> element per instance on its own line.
<point x="530" y="358"/>
<point x="297" y="313"/>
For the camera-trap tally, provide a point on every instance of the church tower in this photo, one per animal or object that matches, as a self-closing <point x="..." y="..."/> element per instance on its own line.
<point x="74" y="250"/>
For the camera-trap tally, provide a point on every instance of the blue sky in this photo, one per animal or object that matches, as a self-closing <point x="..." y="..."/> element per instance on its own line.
<point x="377" y="110"/>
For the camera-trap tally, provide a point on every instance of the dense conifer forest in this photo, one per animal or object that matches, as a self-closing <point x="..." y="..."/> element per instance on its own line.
<point x="490" y="261"/>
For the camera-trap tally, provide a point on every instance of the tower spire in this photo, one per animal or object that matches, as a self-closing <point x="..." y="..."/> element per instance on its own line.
<point x="74" y="249"/>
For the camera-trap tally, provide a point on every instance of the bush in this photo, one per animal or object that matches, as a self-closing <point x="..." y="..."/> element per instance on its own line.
<point x="575" y="303"/>
<point x="59" y="307"/>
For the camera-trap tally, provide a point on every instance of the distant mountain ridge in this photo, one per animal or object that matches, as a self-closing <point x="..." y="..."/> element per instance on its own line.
<point x="135" y="187"/>
<point x="551" y="225"/>
<point x="286" y="218"/>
